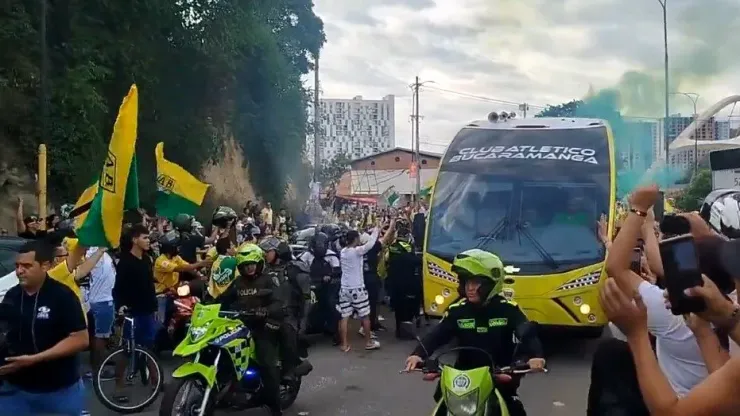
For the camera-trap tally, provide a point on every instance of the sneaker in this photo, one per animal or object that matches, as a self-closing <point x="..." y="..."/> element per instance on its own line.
<point x="380" y="318"/>
<point x="374" y="345"/>
<point x="362" y="333"/>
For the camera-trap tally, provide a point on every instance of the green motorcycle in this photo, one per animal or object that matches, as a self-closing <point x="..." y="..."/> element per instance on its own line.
<point x="471" y="392"/>
<point x="222" y="370"/>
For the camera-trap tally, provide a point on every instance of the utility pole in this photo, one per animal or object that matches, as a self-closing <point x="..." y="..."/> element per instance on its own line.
<point x="524" y="107"/>
<point x="664" y="5"/>
<point x="417" y="158"/>
<point x="316" y="122"/>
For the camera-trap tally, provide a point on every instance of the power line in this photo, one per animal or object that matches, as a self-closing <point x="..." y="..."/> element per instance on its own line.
<point x="480" y="97"/>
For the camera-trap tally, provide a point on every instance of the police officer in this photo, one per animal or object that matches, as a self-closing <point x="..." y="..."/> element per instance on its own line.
<point x="257" y="295"/>
<point x="486" y="320"/>
<point x="325" y="272"/>
<point x="278" y="265"/>
<point x="404" y="282"/>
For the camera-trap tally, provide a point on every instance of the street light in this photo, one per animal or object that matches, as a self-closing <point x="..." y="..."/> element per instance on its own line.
<point x="663" y="4"/>
<point x="694" y="97"/>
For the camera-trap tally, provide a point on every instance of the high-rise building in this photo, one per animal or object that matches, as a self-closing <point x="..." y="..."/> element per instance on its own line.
<point x="722" y="129"/>
<point x="677" y="124"/>
<point x="355" y="127"/>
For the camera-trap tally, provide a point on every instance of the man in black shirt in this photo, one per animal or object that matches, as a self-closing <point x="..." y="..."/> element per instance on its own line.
<point x="134" y="287"/>
<point x="44" y="340"/>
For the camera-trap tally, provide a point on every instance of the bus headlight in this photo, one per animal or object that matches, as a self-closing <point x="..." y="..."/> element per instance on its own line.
<point x="585" y="309"/>
<point x="439" y="299"/>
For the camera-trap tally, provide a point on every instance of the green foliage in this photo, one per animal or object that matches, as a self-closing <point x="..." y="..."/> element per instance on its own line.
<point x="561" y="110"/>
<point x="205" y="70"/>
<point x="331" y="171"/>
<point x="692" y="196"/>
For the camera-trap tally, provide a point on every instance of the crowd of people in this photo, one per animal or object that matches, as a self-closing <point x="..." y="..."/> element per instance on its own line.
<point x="341" y="268"/>
<point x="673" y="352"/>
<point x="675" y="344"/>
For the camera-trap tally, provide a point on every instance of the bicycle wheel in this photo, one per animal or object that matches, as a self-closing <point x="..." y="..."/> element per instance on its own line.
<point x="137" y="368"/>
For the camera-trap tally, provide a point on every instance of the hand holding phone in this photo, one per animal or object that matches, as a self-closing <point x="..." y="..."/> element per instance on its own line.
<point x="681" y="268"/>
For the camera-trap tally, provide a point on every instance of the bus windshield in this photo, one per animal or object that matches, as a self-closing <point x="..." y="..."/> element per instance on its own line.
<point x="537" y="214"/>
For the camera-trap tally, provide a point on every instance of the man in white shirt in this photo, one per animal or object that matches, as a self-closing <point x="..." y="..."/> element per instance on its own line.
<point x="100" y="298"/>
<point x="353" y="296"/>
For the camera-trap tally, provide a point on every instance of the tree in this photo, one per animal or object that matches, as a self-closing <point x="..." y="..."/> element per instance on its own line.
<point x="562" y="110"/>
<point x="331" y="171"/>
<point x="206" y="70"/>
<point x="691" y="197"/>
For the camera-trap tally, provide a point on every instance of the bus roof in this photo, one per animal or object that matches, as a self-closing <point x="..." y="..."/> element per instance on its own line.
<point x="537" y="123"/>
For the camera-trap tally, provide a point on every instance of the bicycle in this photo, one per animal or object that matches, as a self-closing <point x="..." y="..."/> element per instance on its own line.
<point x="138" y="357"/>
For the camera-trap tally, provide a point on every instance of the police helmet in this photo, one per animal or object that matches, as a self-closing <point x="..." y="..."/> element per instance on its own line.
<point x="222" y="216"/>
<point x="169" y="242"/>
<point x="183" y="223"/>
<point x="721" y="210"/>
<point x="319" y="245"/>
<point x="482" y="266"/>
<point x="250" y="254"/>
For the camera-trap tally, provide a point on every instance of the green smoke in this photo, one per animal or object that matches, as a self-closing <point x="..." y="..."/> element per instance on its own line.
<point x="707" y="50"/>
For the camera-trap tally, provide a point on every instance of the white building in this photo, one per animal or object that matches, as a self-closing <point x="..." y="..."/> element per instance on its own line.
<point x="722" y="129"/>
<point x="355" y="127"/>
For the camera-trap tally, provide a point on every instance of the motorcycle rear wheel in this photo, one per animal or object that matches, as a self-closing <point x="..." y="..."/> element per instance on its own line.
<point x="289" y="393"/>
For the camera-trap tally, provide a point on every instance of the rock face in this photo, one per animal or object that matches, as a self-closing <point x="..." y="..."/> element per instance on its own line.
<point x="15" y="182"/>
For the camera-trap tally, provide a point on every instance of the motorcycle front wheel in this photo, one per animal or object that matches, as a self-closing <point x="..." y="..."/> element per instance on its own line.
<point x="184" y="397"/>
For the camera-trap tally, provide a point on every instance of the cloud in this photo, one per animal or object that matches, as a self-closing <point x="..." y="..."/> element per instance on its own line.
<point x="535" y="51"/>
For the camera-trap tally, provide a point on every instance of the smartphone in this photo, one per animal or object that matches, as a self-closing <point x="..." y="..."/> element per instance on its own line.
<point x="681" y="271"/>
<point x="636" y="263"/>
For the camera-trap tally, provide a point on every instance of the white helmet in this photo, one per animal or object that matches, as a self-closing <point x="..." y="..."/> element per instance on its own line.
<point x="721" y="210"/>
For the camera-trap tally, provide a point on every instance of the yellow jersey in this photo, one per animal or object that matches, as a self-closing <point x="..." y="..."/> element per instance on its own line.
<point x="61" y="274"/>
<point x="165" y="276"/>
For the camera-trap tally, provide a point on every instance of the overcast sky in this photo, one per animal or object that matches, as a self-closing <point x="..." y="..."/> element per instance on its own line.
<point x="535" y="51"/>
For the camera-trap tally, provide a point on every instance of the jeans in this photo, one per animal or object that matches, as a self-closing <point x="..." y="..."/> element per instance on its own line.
<point x="69" y="401"/>
<point x="145" y="330"/>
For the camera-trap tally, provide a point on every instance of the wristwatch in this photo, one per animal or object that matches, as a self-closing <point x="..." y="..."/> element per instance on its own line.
<point x="638" y="212"/>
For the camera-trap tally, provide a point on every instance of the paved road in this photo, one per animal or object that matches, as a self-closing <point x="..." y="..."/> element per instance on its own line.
<point x="361" y="383"/>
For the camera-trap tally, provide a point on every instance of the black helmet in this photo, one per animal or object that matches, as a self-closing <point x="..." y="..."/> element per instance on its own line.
<point x="269" y="243"/>
<point x="319" y="245"/>
<point x="284" y="252"/>
<point x="222" y="216"/>
<point x="332" y="231"/>
<point x="169" y="242"/>
<point x="403" y="229"/>
<point x="183" y="223"/>
<point x="721" y="210"/>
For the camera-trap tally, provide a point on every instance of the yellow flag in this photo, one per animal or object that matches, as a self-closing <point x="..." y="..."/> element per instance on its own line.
<point x="178" y="192"/>
<point x="117" y="187"/>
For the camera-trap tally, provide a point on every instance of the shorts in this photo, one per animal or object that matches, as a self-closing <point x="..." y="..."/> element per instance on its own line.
<point x="68" y="401"/>
<point x="353" y="301"/>
<point x="145" y="330"/>
<point x="104" y="313"/>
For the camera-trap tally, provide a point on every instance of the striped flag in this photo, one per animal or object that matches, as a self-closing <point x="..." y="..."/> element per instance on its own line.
<point x="390" y="196"/>
<point x="99" y="210"/>
<point x="178" y="192"/>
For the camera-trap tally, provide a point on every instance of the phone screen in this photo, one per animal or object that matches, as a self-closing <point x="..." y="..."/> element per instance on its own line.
<point x="684" y="256"/>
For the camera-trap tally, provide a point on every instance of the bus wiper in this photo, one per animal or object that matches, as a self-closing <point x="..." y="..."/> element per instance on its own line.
<point x="549" y="259"/>
<point x="491" y="236"/>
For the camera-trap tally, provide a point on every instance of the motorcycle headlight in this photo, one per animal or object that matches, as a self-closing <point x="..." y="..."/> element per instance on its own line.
<point x="465" y="405"/>
<point x="197" y="332"/>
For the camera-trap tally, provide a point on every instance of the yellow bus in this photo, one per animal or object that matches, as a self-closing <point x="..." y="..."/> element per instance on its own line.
<point x="532" y="192"/>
